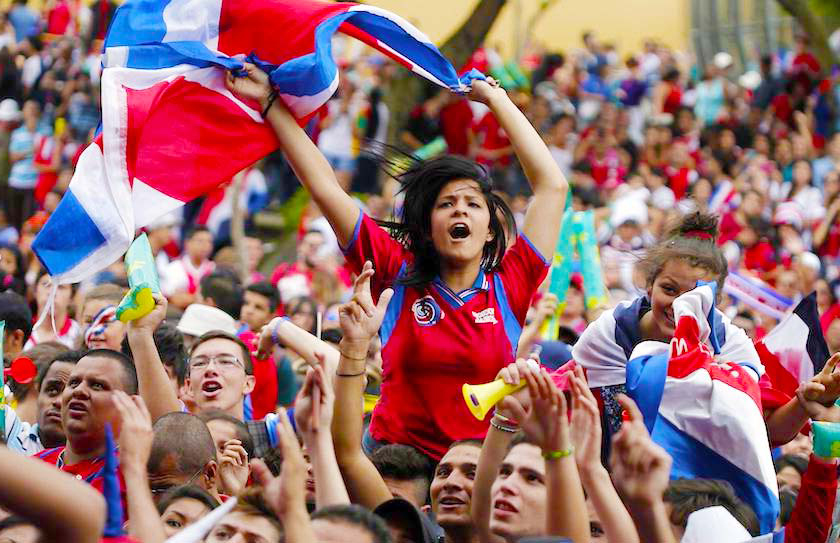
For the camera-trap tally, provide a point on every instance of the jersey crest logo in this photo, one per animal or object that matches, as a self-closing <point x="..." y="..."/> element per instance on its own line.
<point x="485" y="316"/>
<point x="426" y="311"/>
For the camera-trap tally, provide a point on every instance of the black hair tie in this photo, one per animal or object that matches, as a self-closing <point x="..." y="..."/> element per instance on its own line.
<point x="272" y="96"/>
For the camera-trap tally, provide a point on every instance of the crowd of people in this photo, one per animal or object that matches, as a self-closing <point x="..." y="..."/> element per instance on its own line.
<point x="319" y="399"/>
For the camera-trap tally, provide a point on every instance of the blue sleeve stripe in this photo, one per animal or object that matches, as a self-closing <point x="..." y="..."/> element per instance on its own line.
<point x="533" y="248"/>
<point x="512" y="327"/>
<point x="392" y="314"/>
<point x="353" y="239"/>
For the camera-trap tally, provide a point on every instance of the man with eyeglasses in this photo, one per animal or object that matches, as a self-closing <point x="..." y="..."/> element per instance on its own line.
<point x="220" y="373"/>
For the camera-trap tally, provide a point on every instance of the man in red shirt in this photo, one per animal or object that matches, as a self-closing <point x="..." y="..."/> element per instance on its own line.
<point x="86" y="408"/>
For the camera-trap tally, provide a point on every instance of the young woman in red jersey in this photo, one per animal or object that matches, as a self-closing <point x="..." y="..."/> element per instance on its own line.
<point x="461" y="288"/>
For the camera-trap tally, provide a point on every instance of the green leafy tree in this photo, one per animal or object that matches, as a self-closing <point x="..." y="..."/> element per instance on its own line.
<point x="405" y="89"/>
<point x="811" y="16"/>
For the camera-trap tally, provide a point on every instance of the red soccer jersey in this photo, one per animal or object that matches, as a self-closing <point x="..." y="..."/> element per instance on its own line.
<point x="434" y="340"/>
<point x="492" y="137"/>
<point x="91" y="471"/>
<point x="264" y="395"/>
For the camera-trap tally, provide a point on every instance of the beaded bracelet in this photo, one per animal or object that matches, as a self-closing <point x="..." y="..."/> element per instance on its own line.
<point x="503" y="428"/>
<point x="505" y="420"/>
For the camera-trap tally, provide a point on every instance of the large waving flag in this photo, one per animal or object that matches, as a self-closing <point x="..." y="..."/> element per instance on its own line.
<point x="792" y="353"/>
<point x="171" y="131"/>
<point x="705" y="413"/>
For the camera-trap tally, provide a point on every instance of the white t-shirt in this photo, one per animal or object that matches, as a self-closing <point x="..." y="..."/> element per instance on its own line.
<point x="31" y="70"/>
<point x="178" y="273"/>
<point x="337" y="138"/>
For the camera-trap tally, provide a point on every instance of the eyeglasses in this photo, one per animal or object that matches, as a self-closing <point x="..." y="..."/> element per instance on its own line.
<point x="224" y="361"/>
<point x="157" y="491"/>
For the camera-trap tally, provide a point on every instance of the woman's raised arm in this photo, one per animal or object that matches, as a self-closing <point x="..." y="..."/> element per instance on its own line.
<point x="542" y="220"/>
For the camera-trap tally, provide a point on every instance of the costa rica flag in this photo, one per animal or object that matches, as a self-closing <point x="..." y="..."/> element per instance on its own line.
<point x="705" y="412"/>
<point x="171" y="131"/>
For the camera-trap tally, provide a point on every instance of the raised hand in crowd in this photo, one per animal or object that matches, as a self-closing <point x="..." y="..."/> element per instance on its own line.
<point x="313" y="415"/>
<point x="308" y="163"/>
<point x="153" y="382"/>
<point x="360" y="320"/>
<point x="503" y="428"/>
<point x="286" y="494"/>
<point x="253" y="86"/>
<point x="284" y="332"/>
<point x="585" y="432"/>
<point x="234" y="468"/>
<point x="825" y="387"/>
<point x="135" y="443"/>
<point x="641" y="471"/>
<point x="814" y="400"/>
<point x="547" y="426"/>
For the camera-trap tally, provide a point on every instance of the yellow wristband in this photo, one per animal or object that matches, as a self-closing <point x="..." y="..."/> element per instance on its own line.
<point x="563" y="453"/>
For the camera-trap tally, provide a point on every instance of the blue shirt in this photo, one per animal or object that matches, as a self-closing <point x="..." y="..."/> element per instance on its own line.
<point x="23" y="174"/>
<point x="822" y="167"/>
<point x="25" y="22"/>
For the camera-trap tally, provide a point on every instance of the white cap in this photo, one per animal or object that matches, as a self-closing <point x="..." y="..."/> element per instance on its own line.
<point x="629" y="209"/>
<point x="714" y="524"/>
<point x="198" y="319"/>
<point x="809" y="260"/>
<point x="750" y="80"/>
<point x="9" y="110"/>
<point x="723" y="60"/>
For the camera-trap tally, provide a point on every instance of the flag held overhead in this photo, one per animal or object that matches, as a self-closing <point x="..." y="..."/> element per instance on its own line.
<point x="172" y="131"/>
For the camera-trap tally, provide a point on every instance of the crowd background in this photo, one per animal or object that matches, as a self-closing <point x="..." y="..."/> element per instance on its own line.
<point x="643" y="138"/>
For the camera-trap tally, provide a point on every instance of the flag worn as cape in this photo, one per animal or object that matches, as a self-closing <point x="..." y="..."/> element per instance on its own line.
<point x="706" y="413"/>
<point x="171" y="131"/>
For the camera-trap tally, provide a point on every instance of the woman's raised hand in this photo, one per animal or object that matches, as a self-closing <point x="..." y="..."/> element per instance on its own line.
<point x="360" y="318"/>
<point x="254" y="86"/>
<point x="484" y="91"/>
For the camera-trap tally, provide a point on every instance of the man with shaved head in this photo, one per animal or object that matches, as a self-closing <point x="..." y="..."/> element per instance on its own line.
<point x="183" y="452"/>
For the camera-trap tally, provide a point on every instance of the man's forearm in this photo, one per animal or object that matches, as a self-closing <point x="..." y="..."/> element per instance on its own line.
<point x="144" y="524"/>
<point x="153" y="382"/>
<point x="652" y="522"/>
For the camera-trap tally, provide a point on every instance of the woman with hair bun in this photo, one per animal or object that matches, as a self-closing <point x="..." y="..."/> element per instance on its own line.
<point x="688" y="253"/>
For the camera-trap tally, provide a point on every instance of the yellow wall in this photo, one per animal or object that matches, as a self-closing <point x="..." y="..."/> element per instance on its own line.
<point x="624" y="22"/>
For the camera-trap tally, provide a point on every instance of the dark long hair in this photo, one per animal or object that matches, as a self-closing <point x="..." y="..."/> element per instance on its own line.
<point x="421" y="184"/>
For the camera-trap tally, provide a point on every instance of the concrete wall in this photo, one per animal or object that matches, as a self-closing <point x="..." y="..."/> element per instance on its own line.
<point x="626" y="23"/>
